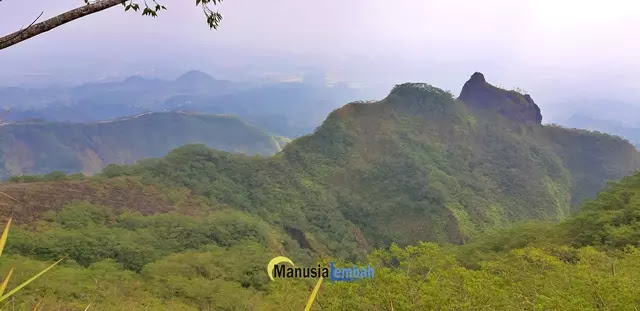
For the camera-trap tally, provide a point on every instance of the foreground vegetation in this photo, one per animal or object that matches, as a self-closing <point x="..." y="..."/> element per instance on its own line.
<point x="173" y="262"/>
<point x="589" y="262"/>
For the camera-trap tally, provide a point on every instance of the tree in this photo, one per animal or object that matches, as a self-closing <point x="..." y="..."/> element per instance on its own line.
<point x="213" y="18"/>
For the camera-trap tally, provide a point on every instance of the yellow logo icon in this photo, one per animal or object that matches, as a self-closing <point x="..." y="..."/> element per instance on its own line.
<point x="276" y="261"/>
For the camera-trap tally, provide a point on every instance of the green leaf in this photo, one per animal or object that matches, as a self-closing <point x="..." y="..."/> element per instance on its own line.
<point x="314" y="293"/>
<point x="27" y="282"/>
<point x="5" y="234"/>
<point x="5" y="282"/>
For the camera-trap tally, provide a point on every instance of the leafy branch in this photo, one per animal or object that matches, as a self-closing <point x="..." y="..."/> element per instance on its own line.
<point x="148" y="8"/>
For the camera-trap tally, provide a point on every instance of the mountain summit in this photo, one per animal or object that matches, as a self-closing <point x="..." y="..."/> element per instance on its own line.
<point x="477" y="92"/>
<point x="195" y="76"/>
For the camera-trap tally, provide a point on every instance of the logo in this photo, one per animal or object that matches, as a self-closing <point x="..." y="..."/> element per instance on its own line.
<point x="277" y="269"/>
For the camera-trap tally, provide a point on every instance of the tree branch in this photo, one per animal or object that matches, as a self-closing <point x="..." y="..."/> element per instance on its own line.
<point x="17" y="33"/>
<point x="42" y="27"/>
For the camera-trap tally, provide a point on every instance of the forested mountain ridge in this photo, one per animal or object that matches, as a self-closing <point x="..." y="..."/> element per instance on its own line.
<point x="588" y="262"/>
<point x="43" y="147"/>
<point x="288" y="109"/>
<point x="417" y="165"/>
<point x="591" y="157"/>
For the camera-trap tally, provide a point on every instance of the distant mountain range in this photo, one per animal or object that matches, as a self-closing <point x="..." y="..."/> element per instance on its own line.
<point x="41" y="147"/>
<point x="287" y="108"/>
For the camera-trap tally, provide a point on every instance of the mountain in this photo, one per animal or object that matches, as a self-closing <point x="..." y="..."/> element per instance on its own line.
<point x="417" y="165"/>
<point x="194" y="229"/>
<point x="42" y="147"/>
<point x="101" y="101"/>
<point x="289" y="109"/>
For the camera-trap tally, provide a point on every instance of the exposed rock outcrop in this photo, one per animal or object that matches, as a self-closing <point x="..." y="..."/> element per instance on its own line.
<point x="477" y="92"/>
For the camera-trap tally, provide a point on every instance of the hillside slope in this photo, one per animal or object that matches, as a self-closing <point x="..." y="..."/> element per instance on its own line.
<point x="589" y="262"/>
<point x="42" y="147"/>
<point x="212" y="258"/>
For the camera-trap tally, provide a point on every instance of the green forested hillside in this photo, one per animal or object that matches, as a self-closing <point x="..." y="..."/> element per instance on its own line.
<point x="588" y="262"/>
<point x="417" y="165"/>
<point x="42" y="147"/>
<point x="123" y="260"/>
<point x="195" y="229"/>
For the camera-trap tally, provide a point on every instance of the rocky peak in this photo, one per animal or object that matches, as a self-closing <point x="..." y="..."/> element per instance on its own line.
<point x="476" y="92"/>
<point x="477" y="77"/>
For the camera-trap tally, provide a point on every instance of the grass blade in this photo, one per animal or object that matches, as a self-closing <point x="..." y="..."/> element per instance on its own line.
<point x="5" y="282"/>
<point x="10" y="197"/>
<point x="5" y="234"/>
<point x="314" y="293"/>
<point x="38" y="305"/>
<point x="19" y="287"/>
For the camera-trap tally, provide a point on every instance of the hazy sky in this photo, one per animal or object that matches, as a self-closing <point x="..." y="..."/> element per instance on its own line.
<point x="555" y="49"/>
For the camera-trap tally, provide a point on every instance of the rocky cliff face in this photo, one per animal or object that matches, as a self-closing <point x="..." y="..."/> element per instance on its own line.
<point x="477" y="92"/>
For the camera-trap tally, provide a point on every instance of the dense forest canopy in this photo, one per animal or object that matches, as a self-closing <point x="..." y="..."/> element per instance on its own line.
<point x="126" y="260"/>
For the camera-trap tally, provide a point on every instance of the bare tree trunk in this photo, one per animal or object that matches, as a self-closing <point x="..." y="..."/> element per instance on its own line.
<point x="36" y="29"/>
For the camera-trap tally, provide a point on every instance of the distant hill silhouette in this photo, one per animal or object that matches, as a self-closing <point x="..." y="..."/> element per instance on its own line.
<point x="287" y="109"/>
<point x="40" y="147"/>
